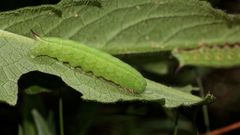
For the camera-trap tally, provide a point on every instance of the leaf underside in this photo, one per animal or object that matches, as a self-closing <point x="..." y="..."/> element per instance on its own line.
<point x="117" y="27"/>
<point x="224" y="57"/>
<point x="122" y="27"/>
<point x="93" y="88"/>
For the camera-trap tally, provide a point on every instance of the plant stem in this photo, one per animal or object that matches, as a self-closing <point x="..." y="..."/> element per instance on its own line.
<point x="225" y="129"/>
<point x="175" y="131"/>
<point x="204" y="108"/>
<point x="61" y="125"/>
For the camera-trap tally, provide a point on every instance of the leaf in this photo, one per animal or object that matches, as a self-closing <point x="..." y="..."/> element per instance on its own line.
<point x="15" y="60"/>
<point x="41" y="124"/>
<point x="187" y="88"/>
<point x="20" y="130"/>
<point x="159" y="68"/>
<point x="132" y="26"/>
<point x="221" y="57"/>
<point x="28" y="127"/>
<point x="35" y="90"/>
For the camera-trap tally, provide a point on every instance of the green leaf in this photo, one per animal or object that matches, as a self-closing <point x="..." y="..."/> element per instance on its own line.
<point x="15" y="60"/>
<point x="187" y="88"/>
<point x="35" y="90"/>
<point x="159" y="68"/>
<point x="28" y="127"/>
<point x="20" y="130"/>
<point x="41" y="124"/>
<point x="221" y="57"/>
<point x="132" y="26"/>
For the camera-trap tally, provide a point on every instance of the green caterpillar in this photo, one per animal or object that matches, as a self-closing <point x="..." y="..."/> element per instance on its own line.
<point x="92" y="60"/>
<point x="211" y="56"/>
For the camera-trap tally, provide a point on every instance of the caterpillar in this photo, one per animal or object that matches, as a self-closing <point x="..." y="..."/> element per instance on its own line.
<point x="89" y="59"/>
<point x="211" y="56"/>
